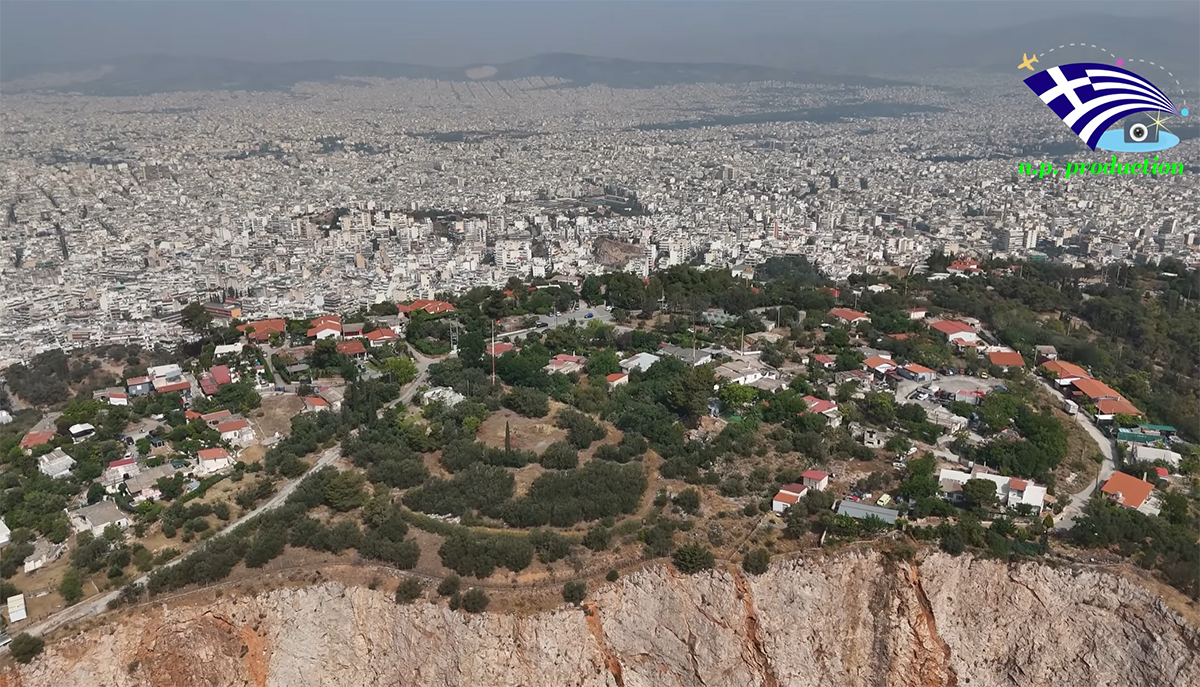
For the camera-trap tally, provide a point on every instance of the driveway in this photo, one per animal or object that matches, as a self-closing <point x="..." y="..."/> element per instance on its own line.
<point x="1064" y="520"/>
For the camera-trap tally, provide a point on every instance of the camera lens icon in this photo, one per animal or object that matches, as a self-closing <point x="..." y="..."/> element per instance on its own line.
<point x="1138" y="132"/>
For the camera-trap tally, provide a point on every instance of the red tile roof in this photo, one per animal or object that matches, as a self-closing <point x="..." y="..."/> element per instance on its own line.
<point x="232" y="426"/>
<point x="1006" y="359"/>
<point x="499" y="349"/>
<point x="875" y="362"/>
<point x="216" y="415"/>
<point x="316" y="401"/>
<point x="815" y="475"/>
<point x="36" y="439"/>
<point x="221" y="375"/>
<point x="819" y="405"/>
<point x="1118" y="406"/>
<point x="354" y="347"/>
<point x="918" y="369"/>
<point x="847" y="315"/>
<point x="213" y="453"/>
<point x="1095" y="389"/>
<point x="382" y="335"/>
<point x="121" y="463"/>
<point x="263" y="329"/>
<point x="784" y="497"/>
<point x="429" y="306"/>
<point x="949" y="327"/>
<point x="615" y="377"/>
<point x="1063" y="369"/>
<point x="1132" y="491"/>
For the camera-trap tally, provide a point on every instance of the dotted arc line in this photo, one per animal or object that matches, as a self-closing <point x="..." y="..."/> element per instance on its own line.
<point x="1092" y="45"/>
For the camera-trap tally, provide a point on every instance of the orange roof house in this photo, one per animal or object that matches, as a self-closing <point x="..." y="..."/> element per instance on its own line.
<point x="263" y="329"/>
<point x="352" y="347"/>
<point x="1116" y="406"/>
<point x="849" y="316"/>
<point x="1064" y="370"/>
<point x="1095" y="389"/>
<point x="1006" y="359"/>
<point x="952" y="327"/>
<point x="1127" y="490"/>
<point x="33" y="439"/>
<point x="430" y="306"/>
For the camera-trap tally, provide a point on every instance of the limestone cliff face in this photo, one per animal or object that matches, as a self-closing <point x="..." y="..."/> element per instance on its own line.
<point x="849" y="620"/>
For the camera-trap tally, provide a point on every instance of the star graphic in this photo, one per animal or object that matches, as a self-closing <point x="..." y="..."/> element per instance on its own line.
<point x="1158" y="123"/>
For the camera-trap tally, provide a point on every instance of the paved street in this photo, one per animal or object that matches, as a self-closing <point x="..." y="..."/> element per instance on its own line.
<point x="99" y="604"/>
<point x="1064" y="520"/>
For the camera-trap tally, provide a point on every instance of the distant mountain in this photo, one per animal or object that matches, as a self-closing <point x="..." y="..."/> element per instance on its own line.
<point x="1168" y="41"/>
<point x="160" y="74"/>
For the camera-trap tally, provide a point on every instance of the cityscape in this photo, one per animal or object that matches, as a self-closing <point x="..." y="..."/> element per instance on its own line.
<point x="119" y="211"/>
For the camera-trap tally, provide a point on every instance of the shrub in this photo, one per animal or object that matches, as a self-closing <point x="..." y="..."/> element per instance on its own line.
<point x="574" y="592"/>
<point x="408" y="591"/>
<point x="450" y="585"/>
<point x="527" y="402"/>
<point x="597" y="538"/>
<point x="756" y="561"/>
<point x="475" y="601"/>
<point x="692" y="558"/>
<point x="25" y="647"/>
<point x="688" y="500"/>
<point x="559" y="456"/>
<point x="612" y="575"/>
<point x="952" y="543"/>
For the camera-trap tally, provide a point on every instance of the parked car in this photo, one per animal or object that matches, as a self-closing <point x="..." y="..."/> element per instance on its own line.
<point x="589" y="316"/>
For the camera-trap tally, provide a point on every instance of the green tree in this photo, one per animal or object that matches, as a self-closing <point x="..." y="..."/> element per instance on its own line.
<point x="590" y="290"/>
<point x="344" y="491"/>
<point x="612" y="575"/>
<point x="25" y="647"/>
<point x="195" y="318"/>
<point x="71" y="586"/>
<point x="980" y="493"/>
<point x="475" y="600"/>
<point x="736" y="397"/>
<point x="756" y="561"/>
<point x="403" y="369"/>
<point x="408" y="591"/>
<point x="574" y="592"/>
<point x="602" y="363"/>
<point x="692" y="558"/>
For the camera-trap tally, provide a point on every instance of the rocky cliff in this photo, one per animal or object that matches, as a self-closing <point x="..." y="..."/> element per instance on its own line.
<point x="853" y="619"/>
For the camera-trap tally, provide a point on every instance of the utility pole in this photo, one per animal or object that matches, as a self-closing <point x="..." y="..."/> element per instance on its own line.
<point x="493" y="352"/>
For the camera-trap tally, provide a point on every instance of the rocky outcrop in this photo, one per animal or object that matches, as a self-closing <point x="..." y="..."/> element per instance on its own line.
<point x="853" y="619"/>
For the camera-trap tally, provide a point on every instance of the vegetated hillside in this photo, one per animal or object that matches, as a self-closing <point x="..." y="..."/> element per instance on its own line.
<point x="850" y="619"/>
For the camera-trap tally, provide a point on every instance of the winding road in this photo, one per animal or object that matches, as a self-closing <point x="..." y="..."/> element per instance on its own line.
<point x="99" y="604"/>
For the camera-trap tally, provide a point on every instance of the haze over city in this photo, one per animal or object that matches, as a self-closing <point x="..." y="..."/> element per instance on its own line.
<point x="599" y="343"/>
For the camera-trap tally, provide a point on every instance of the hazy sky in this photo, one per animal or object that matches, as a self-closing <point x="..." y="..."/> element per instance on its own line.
<point x="449" y="32"/>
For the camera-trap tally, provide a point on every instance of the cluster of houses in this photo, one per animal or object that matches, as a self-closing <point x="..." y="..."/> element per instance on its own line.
<point x="1075" y="384"/>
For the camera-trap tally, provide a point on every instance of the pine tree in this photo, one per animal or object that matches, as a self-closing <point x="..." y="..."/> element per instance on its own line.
<point x="507" y="438"/>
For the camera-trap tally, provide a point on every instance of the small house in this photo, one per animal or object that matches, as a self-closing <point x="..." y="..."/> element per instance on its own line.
<point x="56" y="464"/>
<point x="616" y="379"/>
<point x="96" y="517"/>
<point x="787" y="497"/>
<point x="918" y="373"/>
<point x="213" y="460"/>
<point x="237" y="432"/>
<point x="815" y="480"/>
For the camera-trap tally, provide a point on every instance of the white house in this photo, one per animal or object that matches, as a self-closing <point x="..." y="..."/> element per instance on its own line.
<point x="96" y="517"/>
<point x="237" y="432"/>
<point x="641" y="361"/>
<point x="1150" y="454"/>
<point x="56" y="464"/>
<point x="5" y="533"/>
<point x="956" y="332"/>
<point x="81" y="432"/>
<point x="787" y="497"/>
<point x="213" y="460"/>
<point x="43" y="552"/>
<point x="815" y="479"/>
<point x="1010" y="491"/>
<point x="228" y="349"/>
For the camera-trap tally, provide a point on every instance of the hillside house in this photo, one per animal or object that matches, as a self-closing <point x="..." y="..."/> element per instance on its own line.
<point x="237" y="432"/>
<point x="56" y="464"/>
<point x="96" y="517"/>
<point x="787" y="497"/>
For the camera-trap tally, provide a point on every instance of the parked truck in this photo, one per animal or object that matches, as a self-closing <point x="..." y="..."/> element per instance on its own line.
<point x="1070" y="407"/>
